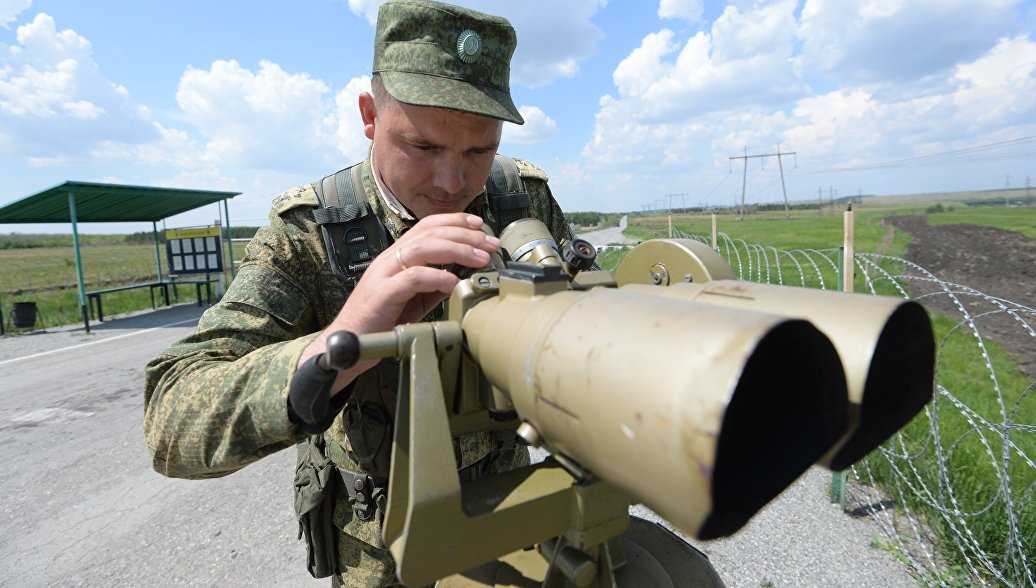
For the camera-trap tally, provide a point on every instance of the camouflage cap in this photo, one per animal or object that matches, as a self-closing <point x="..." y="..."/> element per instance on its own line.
<point x="434" y="54"/>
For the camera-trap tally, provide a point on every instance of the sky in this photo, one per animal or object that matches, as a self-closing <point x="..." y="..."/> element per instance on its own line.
<point x="629" y="104"/>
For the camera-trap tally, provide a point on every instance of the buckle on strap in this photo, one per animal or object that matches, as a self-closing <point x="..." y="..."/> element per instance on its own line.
<point x="369" y="493"/>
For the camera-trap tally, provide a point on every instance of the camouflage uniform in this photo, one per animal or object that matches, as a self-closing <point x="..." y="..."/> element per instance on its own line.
<point x="217" y="400"/>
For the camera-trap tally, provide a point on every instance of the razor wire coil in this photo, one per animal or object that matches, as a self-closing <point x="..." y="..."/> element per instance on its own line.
<point x="916" y="488"/>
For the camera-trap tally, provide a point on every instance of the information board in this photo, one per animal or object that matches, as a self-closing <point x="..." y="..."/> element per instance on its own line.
<point x="194" y="251"/>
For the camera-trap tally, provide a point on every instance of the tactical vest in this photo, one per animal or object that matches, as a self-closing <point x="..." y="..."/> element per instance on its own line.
<point x="354" y="235"/>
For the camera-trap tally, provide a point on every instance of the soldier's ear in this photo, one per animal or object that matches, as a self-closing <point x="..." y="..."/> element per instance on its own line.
<point x="368" y="113"/>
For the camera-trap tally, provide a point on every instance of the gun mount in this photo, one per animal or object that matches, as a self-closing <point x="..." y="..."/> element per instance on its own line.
<point x="667" y="383"/>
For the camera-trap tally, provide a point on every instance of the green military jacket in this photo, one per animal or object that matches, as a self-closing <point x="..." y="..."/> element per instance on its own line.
<point x="217" y="400"/>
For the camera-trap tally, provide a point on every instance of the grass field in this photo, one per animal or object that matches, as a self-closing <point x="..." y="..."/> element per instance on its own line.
<point x="804" y="230"/>
<point x="47" y="276"/>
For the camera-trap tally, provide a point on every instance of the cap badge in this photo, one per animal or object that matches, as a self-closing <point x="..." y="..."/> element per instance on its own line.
<point x="469" y="46"/>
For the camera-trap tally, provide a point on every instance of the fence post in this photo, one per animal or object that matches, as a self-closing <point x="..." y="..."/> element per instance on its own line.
<point x="846" y="272"/>
<point x="715" y="241"/>
<point x="848" y="251"/>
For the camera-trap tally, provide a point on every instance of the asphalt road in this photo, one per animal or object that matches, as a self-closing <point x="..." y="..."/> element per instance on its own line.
<point x="608" y="236"/>
<point x="82" y="506"/>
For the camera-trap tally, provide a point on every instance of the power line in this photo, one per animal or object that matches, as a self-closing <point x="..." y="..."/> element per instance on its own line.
<point x="744" y="176"/>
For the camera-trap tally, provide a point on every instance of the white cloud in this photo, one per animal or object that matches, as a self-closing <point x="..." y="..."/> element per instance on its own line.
<point x="350" y="140"/>
<point x="875" y="40"/>
<point x="837" y="122"/>
<point x="10" y="9"/>
<point x="55" y="104"/>
<point x="174" y="148"/>
<point x="268" y="118"/>
<point x="745" y="60"/>
<point x="58" y="109"/>
<point x="686" y="102"/>
<point x="645" y="66"/>
<point x="691" y="10"/>
<point x="538" y="127"/>
<point x="1000" y="87"/>
<point x="368" y="9"/>
<point x="548" y="47"/>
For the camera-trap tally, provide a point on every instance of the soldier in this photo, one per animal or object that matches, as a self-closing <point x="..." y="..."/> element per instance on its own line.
<point x="218" y="400"/>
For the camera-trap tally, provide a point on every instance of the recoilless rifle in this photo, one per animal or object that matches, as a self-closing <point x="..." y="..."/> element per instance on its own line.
<point x="667" y="383"/>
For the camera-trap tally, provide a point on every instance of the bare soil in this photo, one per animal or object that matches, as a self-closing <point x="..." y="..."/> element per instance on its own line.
<point x="996" y="262"/>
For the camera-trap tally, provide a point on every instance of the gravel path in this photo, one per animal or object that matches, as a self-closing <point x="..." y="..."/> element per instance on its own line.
<point x="609" y="236"/>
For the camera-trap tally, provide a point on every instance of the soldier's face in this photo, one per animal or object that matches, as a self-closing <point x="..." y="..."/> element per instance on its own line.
<point x="434" y="160"/>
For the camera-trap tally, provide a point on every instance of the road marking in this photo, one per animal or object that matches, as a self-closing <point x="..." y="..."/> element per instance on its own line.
<point x="42" y="353"/>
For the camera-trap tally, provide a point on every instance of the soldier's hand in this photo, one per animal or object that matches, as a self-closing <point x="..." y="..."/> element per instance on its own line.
<point x="400" y="287"/>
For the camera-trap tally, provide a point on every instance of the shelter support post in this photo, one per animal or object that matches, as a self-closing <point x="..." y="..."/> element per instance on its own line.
<point x="79" y="261"/>
<point x="230" y="240"/>
<point x="158" y="256"/>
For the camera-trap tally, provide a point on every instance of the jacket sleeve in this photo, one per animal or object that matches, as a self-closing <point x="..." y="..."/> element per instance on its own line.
<point x="217" y="400"/>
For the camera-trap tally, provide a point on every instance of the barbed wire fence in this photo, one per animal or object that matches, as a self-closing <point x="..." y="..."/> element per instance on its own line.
<point x="954" y="493"/>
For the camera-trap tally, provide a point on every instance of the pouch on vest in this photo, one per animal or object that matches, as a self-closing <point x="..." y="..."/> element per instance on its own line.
<point x="369" y="431"/>
<point x="315" y="505"/>
<point x="353" y="234"/>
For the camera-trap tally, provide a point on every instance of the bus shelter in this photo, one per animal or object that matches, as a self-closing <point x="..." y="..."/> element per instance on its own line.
<point x="85" y="202"/>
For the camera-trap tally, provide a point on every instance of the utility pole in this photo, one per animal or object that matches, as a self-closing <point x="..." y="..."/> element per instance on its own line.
<point x="784" y="191"/>
<point x="669" y="203"/>
<point x="744" y="176"/>
<point x="744" y="180"/>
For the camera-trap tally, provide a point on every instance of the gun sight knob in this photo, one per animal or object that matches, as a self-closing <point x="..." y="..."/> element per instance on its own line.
<point x="579" y="255"/>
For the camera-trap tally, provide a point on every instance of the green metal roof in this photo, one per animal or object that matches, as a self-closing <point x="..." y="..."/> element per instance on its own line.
<point x="107" y="203"/>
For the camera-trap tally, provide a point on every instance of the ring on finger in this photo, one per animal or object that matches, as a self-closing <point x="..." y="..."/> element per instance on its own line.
<point x="399" y="259"/>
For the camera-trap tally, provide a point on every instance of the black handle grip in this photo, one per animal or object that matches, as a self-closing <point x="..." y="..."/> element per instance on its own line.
<point x="309" y="394"/>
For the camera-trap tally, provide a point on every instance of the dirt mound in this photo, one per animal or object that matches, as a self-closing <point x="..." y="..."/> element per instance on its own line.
<point x="996" y="262"/>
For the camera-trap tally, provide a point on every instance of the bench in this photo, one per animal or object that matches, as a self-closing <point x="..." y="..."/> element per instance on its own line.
<point x="94" y="297"/>
<point x="207" y="282"/>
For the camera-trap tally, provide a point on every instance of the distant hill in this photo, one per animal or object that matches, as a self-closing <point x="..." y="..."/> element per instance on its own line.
<point x="1000" y="197"/>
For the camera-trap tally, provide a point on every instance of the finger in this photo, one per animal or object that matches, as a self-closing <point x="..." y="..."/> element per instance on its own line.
<point x="455" y="219"/>
<point x="439" y="246"/>
<point x="378" y="303"/>
<point x="439" y="253"/>
<point x="473" y="237"/>
<point x="425" y="280"/>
